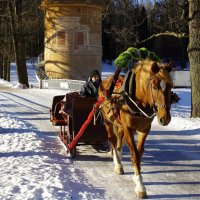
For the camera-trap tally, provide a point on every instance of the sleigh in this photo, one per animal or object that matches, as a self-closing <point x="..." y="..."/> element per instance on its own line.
<point x="70" y="114"/>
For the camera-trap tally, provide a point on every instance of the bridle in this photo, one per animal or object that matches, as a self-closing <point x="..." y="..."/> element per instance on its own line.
<point x="134" y="108"/>
<point x="155" y="105"/>
<point x="134" y="104"/>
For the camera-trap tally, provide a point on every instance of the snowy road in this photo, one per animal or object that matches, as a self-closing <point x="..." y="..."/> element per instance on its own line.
<point x="34" y="166"/>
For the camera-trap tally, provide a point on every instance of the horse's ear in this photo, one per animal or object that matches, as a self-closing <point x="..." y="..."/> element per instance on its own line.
<point x="155" y="68"/>
<point x="169" y="66"/>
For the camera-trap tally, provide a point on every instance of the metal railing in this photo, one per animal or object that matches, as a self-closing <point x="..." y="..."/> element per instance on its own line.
<point x="180" y="79"/>
<point x="63" y="84"/>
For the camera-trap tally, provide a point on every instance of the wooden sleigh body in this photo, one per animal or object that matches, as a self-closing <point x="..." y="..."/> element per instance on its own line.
<point x="70" y="115"/>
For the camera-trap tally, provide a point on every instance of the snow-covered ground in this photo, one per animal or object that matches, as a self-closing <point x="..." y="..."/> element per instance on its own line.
<point x="34" y="166"/>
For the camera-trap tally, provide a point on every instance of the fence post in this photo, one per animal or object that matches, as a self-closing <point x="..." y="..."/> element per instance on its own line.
<point x="40" y="83"/>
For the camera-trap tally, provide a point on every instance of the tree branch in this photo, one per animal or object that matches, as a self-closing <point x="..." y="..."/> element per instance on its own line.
<point x="177" y="35"/>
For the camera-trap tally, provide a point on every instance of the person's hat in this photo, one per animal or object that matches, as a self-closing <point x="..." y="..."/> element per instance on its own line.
<point x="95" y="72"/>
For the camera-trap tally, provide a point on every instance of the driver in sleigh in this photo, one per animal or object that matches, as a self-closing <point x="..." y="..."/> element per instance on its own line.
<point x="88" y="89"/>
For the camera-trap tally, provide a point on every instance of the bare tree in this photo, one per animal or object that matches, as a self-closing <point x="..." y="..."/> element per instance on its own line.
<point x="21" y="27"/>
<point x="6" y="50"/>
<point x="186" y="21"/>
<point x="179" y="19"/>
<point x="16" y="22"/>
<point x="123" y="21"/>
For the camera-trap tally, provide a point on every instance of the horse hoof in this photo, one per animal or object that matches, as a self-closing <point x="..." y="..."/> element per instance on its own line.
<point x="119" y="170"/>
<point x="141" y="195"/>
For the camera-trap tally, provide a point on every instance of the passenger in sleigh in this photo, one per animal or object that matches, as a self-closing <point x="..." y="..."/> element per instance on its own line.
<point x="89" y="89"/>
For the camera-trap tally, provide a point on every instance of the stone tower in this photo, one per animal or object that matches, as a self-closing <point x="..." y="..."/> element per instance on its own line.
<point x="73" y="37"/>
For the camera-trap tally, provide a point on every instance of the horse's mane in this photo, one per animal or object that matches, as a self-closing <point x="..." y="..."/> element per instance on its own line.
<point x="145" y="65"/>
<point x="144" y="68"/>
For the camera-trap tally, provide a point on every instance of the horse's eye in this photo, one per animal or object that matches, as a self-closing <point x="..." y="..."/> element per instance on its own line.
<point x="155" y="87"/>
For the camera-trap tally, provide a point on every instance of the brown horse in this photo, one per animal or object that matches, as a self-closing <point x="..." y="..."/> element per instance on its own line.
<point x="145" y="92"/>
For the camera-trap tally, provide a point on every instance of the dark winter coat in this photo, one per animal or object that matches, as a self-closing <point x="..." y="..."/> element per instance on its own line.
<point x="90" y="89"/>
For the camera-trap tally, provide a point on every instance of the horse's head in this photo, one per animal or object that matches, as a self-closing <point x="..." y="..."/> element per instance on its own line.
<point x="160" y="91"/>
<point x="156" y="82"/>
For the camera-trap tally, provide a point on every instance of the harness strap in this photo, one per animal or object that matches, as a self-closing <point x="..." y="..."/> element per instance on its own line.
<point x="132" y="85"/>
<point x="125" y="85"/>
<point x="128" y="92"/>
<point x="116" y="122"/>
<point x="128" y="85"/>
<point x="132" y="104"/>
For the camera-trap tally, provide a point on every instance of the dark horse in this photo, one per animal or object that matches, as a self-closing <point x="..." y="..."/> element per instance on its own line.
<point x="145" y="92"/>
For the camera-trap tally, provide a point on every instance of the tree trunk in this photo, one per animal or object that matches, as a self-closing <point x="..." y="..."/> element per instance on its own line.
<point x="20" y="59"/>
<point x="194" y="55"/>
<point x="19" y="47"/>
<point x="4" y="67"/>
<point x="7" y="68"/>
<point x="1" y="66"/>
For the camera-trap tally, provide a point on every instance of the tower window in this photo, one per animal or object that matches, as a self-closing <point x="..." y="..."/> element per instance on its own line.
<point x="79" y="38"/>
<point x="60" y="38"/>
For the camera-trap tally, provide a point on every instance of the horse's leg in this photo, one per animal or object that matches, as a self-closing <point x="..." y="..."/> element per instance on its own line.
<point x="118" y="168"/>
<point x="118" y="151"/>
<point x="120" y="135"/>
<point x="140" y="145"/>
<point x="138" y="179"/>
<point x="140" y="190"/>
